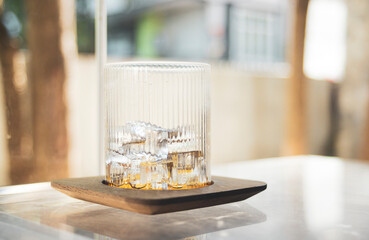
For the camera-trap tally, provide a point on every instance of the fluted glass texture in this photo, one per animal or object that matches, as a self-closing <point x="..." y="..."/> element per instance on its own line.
<point x="157" y="125"/>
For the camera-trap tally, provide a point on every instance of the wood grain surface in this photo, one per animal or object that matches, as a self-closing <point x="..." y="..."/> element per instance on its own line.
<point x="224" y="190"/>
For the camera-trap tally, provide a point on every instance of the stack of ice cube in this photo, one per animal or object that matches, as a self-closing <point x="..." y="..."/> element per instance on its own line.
<point x="144" y="155"/>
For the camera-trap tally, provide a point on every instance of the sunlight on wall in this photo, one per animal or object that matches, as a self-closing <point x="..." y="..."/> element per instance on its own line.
<point x="325" y="43"/>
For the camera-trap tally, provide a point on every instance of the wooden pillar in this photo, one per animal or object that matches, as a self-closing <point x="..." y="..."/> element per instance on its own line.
<point x="296" y="136"/>
<point x="14" y="130"/>
<point x="50" y="24"/>
<point x="364" y="154"/>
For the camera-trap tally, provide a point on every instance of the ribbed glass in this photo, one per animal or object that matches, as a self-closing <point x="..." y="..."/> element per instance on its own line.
<point x="157" y="125"/>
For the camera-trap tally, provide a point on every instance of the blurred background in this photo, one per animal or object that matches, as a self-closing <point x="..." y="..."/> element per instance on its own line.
<point x="289" y="77"/>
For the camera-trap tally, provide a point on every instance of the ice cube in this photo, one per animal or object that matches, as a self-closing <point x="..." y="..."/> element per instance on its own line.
<point x="153" y="173"/>
<point x="132" y="132"/>
<point x="138" y="137"/>
<point x="136" y="178"/>
<point x="144" y="138"/>
<point x="145" y="169"/>
<point x="202" y="170"/>
<point x="117" y="169"/>
<point x="185" y="169"/>
<point x="182" y="139"/>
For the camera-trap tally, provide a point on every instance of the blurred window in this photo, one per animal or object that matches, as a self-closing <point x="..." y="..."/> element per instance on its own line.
<point x="257" y="36"/>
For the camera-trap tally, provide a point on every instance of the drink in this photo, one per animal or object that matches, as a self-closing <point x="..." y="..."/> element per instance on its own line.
<point x="174" y="178"/>
<point x="157" y="125"/>
<point x="145" y="156"/>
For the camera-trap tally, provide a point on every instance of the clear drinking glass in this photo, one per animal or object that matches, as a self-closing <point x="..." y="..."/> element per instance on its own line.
<point x="157" y="125"/>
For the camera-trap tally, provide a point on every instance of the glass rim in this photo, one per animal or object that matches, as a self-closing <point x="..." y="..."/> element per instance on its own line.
<point x="157" y="64"/>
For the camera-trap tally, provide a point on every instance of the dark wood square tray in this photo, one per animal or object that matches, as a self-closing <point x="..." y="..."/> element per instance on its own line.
<point x="224" y="190"/>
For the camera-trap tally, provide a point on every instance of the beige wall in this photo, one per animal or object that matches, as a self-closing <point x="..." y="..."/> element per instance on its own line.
<point x="248" y="115"/>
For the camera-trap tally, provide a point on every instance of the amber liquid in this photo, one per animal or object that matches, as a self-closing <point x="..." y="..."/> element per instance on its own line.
<point x="148" y="186"/>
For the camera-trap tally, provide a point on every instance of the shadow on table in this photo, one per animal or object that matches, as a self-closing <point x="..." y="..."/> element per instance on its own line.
<point x="119" y="224"/>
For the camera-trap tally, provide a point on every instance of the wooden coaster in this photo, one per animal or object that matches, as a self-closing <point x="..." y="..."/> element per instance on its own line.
<point x="224" y="190"/>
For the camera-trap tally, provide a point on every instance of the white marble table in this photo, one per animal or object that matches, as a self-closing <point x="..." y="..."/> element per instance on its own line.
<point x="308" y="197"/>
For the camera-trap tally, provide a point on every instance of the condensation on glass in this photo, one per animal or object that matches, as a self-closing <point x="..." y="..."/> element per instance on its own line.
<point x="157" y="125"/>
